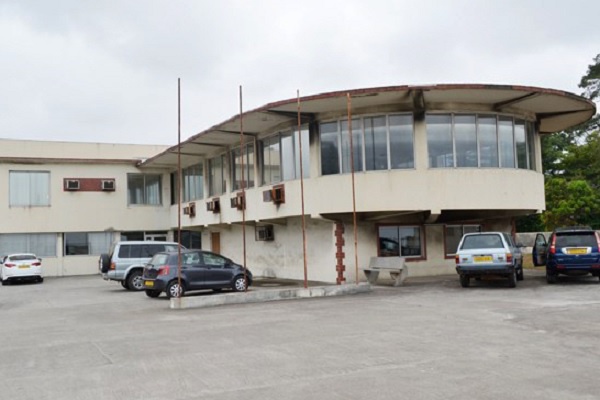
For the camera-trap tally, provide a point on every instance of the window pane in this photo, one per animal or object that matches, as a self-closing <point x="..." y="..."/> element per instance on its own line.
<point x="193" y="183"/>
<point x="40" y="244"/>
<point x="330" y="159"/>
<point x="453" y="235"/>
<point x="99" y="242"/>
<point x="215" y="170"/>
<point x="401" y="142"/>
<point x="152" y="189"/>
<point x="287" y="156"/>
<point x="305" y="153"/>
<point x="507" y="144"/>
<point x="488" y="142"/>
<point x="389" y="244"/>
<point x="465" y="136"/>
<point x="271" y="167"/>
<point x="135" y="188"/>
<point x="410" y="241"/>
<point x="29" y="188"/>
<point x="76" y="243"/>
<point x="521" y="144"/>
<point x="249" y="165"/>
<point x="376" y="149"/>
<point x="531" y="145"/>
<point x="439" y="141"/>
<point x="356" y="145"/>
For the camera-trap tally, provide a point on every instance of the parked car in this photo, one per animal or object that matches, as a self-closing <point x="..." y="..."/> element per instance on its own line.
<point x="571" y="251"/>
<point x="125" y="261"/>
<point x="489" y="253"/>
<point x="199" y="270"/>
<point x="20" y="267"/>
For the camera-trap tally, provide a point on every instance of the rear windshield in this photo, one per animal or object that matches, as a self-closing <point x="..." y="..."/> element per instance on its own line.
<point x="23" y="257"/>
<point x="492" y="241"/>
<point x="576" y="239"/>
<point x="159" y="259"/>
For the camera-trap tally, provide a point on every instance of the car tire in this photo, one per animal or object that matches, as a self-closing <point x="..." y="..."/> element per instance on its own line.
<point x="512" y="279"/>
<point x="174" y="290"/>
<point x="551" y="278"/>
<point x="240" y="283"/>
<point x="104" y="263"/>
<point x="135" y="281"/>
<point x="465" y="280"/>
<point x="124" y="284"/>
<point x="5" y="282"/>
<point x="40" y="280"/>
<point x="152" y="293"/>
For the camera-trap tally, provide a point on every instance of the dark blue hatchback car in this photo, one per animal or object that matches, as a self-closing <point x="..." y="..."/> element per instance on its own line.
<point x="569" y="251"/>
<point x="199" y="270"/>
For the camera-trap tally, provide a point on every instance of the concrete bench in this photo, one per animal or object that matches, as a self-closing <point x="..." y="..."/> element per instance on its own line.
<point x="396" y="267"/>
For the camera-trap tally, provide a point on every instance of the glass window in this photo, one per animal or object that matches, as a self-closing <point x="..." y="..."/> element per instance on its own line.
<point x="488" y="141"/>
<point x="402" y="241"/>
<point x="453" y="234"/>
<point x="29" y="188"/>
<point x="465" y="137"/>
<point x="356" y="146"/>
<point x="40" y="244"/>
<point x="439" y="141"/>
<point x="193" y="182"/>
<point x="531" y="145"/>
<point x="82" y="243"/>
<point x="401" y="141"/>
<point x="214" y="260"/>
<point x="236" y="170"/>
<point x="287" y="156"/>
<point x="376" y="144"/>
<point x="521" y="144"/>
<point x="507" y="142"/>
<point x="330" y="148"/>
<point x="305" y="152"/>
<point x="144" y="189"/>
<point x="271" y="162"/>
<point x="190" y="239"/>
<point x="216" y="176"/>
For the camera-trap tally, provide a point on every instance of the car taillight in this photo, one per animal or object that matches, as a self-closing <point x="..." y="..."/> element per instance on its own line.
<point x="36" y="264"/>
<point x="112" y="266"/>
<point x="164" y="270"/>
<point x="553" y="245"/>
<point x="508" y="257"/>
<point x="456" y="259"/>
<point x="9" y="265"/>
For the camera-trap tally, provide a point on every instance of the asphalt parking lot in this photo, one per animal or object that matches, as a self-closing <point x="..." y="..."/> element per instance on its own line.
<point x="84" y="338"/>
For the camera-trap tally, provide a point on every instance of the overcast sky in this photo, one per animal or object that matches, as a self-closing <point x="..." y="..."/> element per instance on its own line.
<point x="106" y="71"/>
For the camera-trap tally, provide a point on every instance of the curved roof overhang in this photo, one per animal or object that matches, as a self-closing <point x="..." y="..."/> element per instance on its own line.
<point x="554" y="111"/>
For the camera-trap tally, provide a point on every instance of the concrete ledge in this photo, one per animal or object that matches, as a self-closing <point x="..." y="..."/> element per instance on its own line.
<point x="259" y="296"/>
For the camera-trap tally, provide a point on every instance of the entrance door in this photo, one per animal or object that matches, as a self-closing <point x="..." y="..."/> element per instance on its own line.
<point x="215" y="242"/>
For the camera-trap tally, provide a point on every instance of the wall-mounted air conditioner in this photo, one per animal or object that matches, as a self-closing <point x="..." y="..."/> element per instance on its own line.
<point x="108" y="185"/>
<point x="71" y="184"/>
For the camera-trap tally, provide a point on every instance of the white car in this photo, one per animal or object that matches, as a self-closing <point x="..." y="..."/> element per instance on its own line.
<point x="24" y="266"/>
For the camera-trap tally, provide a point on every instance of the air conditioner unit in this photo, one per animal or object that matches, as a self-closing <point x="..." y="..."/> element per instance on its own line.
<point x="238" y="201"/>
<point x="108" y="185"/>
<point x="213" y="205"/>
<point x="186" y="211"/>
<point x="264" y="233"/>
<point x="71" y="184"/>
<point x="192" y="209"/>
<point x="278" y="194"/>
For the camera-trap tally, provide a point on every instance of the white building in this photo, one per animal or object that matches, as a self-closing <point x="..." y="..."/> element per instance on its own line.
<point x="430" y="162"/>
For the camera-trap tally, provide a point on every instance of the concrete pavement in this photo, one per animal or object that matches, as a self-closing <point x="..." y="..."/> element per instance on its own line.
<point x="84" y="338"/>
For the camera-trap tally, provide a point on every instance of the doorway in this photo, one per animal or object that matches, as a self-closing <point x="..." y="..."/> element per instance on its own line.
<point x="215" y="242"/>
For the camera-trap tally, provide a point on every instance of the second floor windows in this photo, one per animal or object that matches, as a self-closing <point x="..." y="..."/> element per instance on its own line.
<point x="144" y="189"/>
<point x="29" y="188"/>
<point x="248" y="167"/>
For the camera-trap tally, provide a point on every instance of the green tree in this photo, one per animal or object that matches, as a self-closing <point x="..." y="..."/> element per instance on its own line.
<point x="571" y="203"/>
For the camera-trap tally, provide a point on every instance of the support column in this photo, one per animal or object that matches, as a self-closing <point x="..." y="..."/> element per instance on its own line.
<point x="339" y="253"/>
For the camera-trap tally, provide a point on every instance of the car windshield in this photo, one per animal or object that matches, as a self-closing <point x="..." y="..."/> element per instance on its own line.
<point x="482" y="242"/>
<point x="23" y="257"/>
<point x="575" y="239"/>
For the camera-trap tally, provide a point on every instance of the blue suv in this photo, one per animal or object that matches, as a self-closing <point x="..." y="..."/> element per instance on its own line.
<point x="572" y="251"/>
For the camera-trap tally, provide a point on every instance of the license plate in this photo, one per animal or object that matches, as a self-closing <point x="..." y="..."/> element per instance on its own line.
<point x="24" y="266"/>
<point x="482" y="259"/>
<point x="148" y="283"/>
<point x="577" y="251"/>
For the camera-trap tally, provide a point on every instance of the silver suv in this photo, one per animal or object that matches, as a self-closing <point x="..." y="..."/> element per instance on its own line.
<point x="125" y="261"/>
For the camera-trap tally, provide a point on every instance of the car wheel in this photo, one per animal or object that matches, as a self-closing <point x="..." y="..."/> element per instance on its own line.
<point x="465" y="280"/>
<point x="124" y="284"/>
<point x="135" y="281"/>
<point x="551" y="278"/>
<point x="239" y="283"/>
<point x="153" y="293"/>
<point x="512" y="279"/>
<point x="174" y="290"/>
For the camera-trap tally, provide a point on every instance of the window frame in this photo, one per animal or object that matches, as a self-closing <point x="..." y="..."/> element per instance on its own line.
<point x="145" y="187"/>
<point x="422" y="241"/>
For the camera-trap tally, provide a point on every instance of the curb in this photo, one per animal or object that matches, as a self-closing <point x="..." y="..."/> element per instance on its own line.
<point x="260" y="296"/>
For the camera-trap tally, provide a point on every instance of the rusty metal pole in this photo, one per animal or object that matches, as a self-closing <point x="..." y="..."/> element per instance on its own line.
<point x="179" y="181"/>
<point x="302" y="193"/>
<point x="353" y="186"/>
<point x="242" y="151"/>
